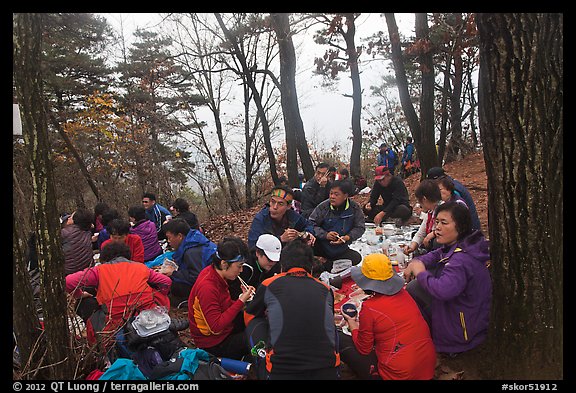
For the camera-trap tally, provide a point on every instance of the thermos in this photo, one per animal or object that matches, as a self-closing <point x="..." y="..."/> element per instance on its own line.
<point x="235" y="366"/>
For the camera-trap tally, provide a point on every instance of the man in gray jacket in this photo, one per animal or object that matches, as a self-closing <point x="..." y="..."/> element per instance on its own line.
<point x="338" y="221"/>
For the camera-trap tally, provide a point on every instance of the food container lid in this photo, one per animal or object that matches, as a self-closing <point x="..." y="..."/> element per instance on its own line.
<point x="151" y="321"/>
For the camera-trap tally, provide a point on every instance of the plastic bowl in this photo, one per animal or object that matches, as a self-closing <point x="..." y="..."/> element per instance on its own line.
<point x="349" y="309"/>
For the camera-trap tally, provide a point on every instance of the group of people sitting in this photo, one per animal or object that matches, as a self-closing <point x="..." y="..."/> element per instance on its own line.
<point x="267" y="292"/>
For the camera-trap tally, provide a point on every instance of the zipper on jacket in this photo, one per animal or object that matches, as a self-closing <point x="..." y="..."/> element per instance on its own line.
<point x="463" y="324"/>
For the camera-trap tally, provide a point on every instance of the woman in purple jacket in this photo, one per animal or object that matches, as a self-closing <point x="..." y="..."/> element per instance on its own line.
<point x="146" y="229"/>
<point x="453" y="286"/>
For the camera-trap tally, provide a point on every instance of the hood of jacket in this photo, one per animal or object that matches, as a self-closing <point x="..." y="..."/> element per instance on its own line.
<point x="194" y="238"/>
<point x="476" y="245"/>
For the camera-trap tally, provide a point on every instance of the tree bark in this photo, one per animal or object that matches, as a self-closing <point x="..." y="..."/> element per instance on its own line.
<point x="424" y="143"/>
<point x="521" y="121"/>
<point x="28" y="81"/>
<point x="427" y="138"/>
<point x="293" y="125"/>
<point x="456" y="140"/>
<point x="352" y="54"/>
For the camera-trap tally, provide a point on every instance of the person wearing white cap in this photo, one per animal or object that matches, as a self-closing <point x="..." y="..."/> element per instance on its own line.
<point x="263" y="260"/>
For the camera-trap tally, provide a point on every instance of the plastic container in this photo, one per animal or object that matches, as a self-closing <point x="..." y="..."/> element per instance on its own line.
<point x="349" y="309"/>
<point x="388" y="230"/>
<point x="151" y="321"/>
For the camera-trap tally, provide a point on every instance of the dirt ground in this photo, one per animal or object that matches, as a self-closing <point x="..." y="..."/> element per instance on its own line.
<point x="470" y="171"/>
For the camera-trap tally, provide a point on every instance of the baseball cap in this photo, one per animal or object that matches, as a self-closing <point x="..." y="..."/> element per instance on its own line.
<point x="271" y="246"/>
<point x="380" y="172"/>
<point x="435" y="173"/>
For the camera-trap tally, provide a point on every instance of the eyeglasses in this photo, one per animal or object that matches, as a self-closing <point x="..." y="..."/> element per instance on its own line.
<point x="145" y="201"/>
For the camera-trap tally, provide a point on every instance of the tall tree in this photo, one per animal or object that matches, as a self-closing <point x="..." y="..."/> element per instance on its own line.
<point x="344" y="26"/>
<point x="73" y="64"/>
<point x="423" y="136"/>
<point x="293" y="125"/>
<point x="521" y="118"/>
<point x="27" y="40"/>
<point x="155" y="90"/>
<point x="249" y="78"/>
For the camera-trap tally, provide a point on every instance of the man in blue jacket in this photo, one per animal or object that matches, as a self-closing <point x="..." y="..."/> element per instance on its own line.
<point x="192" y="253"/>
<point x="279" y="219"/>
<point x="155" y="212"/>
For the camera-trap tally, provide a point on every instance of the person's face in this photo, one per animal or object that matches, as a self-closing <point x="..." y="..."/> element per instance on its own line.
<point x="446" y="232"/>
<point x="147" y="203"/>
<point x="337" y="197"/>
<point x="444" y="193"/>
<point x="174" y="239"/>
<point x="385" y="181"/>
<point x="320" y="173"/>
<point x="426" y="204"/>
<point x="265" y="262"/>
<point x="278" y="207"/>
<point x="231" y="271"/>
<point x="118" y="238"/>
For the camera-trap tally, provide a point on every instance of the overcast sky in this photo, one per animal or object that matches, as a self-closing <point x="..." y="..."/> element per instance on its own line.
<point x="326" y="114"/>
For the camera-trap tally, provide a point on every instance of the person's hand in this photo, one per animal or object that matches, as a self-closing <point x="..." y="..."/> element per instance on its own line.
<point x="428" y="239"/>
<point x="410" y="248"/>
<point x="85" y="295"/>
<point x="332" y="236"/>
<point x="351" y="321"/>
<point x="368" y="207"/>
<point x="289" y="235"/>
<point x="247" y="293"/>
<point x="311" y="239"/>
<point x="414" y="268"/>
<point x="378" y="218"/>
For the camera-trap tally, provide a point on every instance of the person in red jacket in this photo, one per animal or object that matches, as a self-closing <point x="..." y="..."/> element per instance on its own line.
<point x="391" y="339"/>
<point x="119" y="230"/>
<point x="216" y="320"/>
<point x="123" y="288"/>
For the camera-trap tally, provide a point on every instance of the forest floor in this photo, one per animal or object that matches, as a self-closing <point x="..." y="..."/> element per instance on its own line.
<point x="470" y="171"/>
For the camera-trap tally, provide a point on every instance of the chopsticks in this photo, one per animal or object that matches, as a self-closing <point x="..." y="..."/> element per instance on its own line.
<point x="246" y="287"/>
<point x="243" y="283"/>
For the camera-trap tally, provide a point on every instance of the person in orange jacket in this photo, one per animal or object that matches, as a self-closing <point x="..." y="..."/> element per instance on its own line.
<point x="390" y="339"/>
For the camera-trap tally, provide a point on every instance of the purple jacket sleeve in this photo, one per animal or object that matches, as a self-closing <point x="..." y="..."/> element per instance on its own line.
<point x="451" y="282"/>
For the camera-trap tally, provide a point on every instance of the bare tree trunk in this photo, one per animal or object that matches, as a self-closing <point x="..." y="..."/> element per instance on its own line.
<point x="444" y="108"/>
<point x="28" y="81"/>
<point x="427" y="138"/>
<point x="425" y="144"/>
<point x="235" y="201"/>
<point x="352" y="55"/>
<point x="294" y="128"/>
<point x="455" y="147"/>
<point x="257" y="100"/>
<point x="521" y="118"/>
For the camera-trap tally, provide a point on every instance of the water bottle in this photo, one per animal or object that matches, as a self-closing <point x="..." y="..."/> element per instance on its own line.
<point x="235" y="366"/>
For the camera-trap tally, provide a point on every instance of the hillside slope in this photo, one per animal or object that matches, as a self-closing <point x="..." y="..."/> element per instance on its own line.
<point x="470" y="171"/>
